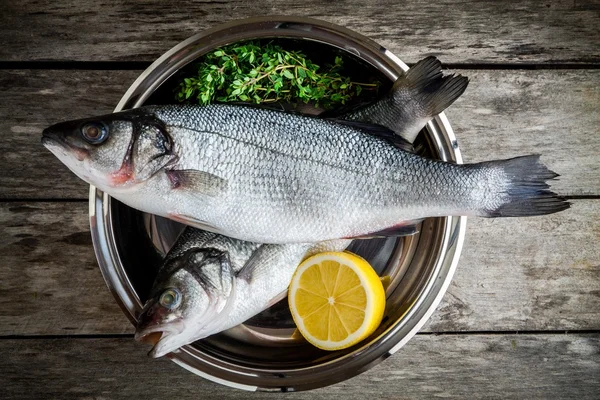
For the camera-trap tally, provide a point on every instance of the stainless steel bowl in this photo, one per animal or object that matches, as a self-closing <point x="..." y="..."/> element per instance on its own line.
<point x="263" y="353"/>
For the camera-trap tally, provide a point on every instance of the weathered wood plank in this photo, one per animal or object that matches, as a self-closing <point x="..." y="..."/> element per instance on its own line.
<point x="515" y="274"/>
<point x="35" y="100"/>
<point x="472" y="31"/>
<point x="467" y="366"/>
<point x="554" y="113"/>
<point x="540" y="273"/>
<point x="49" y="268"/>
<point x="502" y="114"/>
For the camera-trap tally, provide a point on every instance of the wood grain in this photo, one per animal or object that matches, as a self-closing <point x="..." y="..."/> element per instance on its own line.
<point x="49" y="270"/>
<point x="554" y="113"/>
<point x="502" y="114"/>
<point x="472" y="31"/>
<point x="538" y="273"/>
<point x="35" y="99"/>
<point x="444" y="366"/>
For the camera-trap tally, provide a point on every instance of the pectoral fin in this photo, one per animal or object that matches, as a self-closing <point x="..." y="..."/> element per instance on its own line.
<point x="196" y="181"/>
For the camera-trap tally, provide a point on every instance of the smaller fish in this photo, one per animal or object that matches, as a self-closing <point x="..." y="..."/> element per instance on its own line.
<point x="209" y="283"/>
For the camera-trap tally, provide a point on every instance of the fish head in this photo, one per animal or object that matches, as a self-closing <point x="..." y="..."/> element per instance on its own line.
<point x="188" y="300"/>
<point x="114" y="151"/>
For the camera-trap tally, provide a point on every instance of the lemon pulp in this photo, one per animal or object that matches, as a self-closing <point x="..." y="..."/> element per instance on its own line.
<point x="336" y="300"/>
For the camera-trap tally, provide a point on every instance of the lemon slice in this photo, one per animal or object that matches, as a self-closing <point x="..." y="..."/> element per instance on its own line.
<point x="336" y="300"/>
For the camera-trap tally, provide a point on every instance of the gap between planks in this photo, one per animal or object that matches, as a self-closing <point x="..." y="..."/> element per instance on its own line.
<point x="141" y="65"/>
<point x="447" y="333"/>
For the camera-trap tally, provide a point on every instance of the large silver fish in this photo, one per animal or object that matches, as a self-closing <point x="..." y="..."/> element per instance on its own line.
<point x="209" y="283"/>
<point x="273" y="177"/>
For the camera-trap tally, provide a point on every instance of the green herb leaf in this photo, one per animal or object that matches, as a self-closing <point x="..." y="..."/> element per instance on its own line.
<point x="288" y="74"/>
<point x="266" y="73"/>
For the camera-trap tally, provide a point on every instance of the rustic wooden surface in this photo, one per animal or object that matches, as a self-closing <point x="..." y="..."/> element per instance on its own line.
<point x="503" y="366"/>
<point x="535" y="87"/>
<point x="471" y="31"/>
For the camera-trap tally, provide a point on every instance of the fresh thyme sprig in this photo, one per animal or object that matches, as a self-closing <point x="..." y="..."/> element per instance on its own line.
<point x="256" y="73"/>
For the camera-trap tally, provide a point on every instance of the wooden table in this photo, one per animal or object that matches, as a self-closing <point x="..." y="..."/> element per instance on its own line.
<point x="522" y="316"/>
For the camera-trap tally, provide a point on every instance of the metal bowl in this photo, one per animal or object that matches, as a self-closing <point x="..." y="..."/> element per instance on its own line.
<point x="263" y="353"/>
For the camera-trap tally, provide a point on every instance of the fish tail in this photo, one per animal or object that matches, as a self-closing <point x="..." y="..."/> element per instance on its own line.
<point x="429" y="88"/>
<point x="525" y="191"/>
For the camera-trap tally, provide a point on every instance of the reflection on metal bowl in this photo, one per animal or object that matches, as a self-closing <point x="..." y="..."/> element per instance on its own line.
<point x="264" y="353"/>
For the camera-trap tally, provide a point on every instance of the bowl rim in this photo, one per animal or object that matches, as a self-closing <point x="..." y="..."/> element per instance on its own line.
<point x="366" y="356"/>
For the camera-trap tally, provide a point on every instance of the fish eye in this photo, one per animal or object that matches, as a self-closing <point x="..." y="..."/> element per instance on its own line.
<point x="94" y="132"/>
<point x="170" y="298"/>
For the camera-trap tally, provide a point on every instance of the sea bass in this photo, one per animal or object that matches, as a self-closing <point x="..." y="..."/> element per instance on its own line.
<point x="209" y="283"/>
<point x="273" y="177"/>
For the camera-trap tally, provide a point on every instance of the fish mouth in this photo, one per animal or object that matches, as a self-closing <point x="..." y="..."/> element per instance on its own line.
<point x="162" y="337"/>
<point x="54" y="141"/>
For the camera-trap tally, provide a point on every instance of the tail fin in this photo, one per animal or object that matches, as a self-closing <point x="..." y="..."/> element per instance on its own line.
<point x="415" y="98"/>
<point x="526" y="192"/>
<point x="434" y="92"/>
